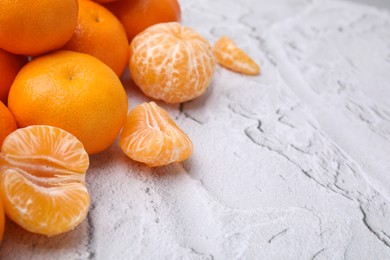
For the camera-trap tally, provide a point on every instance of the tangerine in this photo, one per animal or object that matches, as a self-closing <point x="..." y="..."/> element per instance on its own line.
<point x="105" y="1"/>
<point x="171" y="62"/>
<point x="2" y="221"/>
<point x="100" y="34"/>
<point x="10" y="64"/>
<point x="35" y="27"/>
<point x="73" y="91"/>
<point x="152" y="137"/>
<point x="137" y="15"/>
<point x="7" y="122"/>
<point x="229" y="55"/>
<point x="43" y="179"/>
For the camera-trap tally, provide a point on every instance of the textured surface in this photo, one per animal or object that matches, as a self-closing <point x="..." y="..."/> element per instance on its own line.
<point x="293" y="164"/>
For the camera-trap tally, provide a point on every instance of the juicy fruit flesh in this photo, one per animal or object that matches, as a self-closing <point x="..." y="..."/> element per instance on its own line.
<point x="230" y="56"/>
<point x="43" y="179"/>
<point x="152" y="137"/>
<point x="171" y="62"/>
<point x="44" y="210"/>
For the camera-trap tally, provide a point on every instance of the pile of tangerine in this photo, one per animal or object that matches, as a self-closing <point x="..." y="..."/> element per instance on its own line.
<point x="61" y="97"/>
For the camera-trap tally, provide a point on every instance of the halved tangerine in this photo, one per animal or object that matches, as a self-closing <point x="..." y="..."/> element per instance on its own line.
<point x="43" y="179"/>
<point x="152" y="137"/>
<point x="229" y="55"/>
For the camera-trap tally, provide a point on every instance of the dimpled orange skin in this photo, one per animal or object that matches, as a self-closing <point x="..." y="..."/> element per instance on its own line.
<point x="100" y="34"/>
<point x="7" y="122"/>
<point x="24" y="31"/>
<point x="229" y="55"/>
<point x="171" y="62"/>
<point x="10" y="64"/>
<point x="152" y="137"/>
<point x="73" y="91"/>
<point x="137" y="15"/>
<point x="42" y="183"/>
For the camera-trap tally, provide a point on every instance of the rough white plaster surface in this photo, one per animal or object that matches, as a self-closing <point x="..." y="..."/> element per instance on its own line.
<point x="293" y="164"/>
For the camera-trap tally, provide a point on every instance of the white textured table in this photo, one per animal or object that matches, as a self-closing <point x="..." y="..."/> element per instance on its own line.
<point x="294" y="164"/>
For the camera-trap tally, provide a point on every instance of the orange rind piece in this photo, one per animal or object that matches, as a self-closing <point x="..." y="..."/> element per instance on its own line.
<point x="229" y="55"/>
<point x="43" y="179"/>
<point x="150" y="136"/>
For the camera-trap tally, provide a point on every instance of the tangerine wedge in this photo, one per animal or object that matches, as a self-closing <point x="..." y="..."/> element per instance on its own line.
<point x="43" y="179"/>
<point x="152" y="137"/>
<point x="229" y="55"/>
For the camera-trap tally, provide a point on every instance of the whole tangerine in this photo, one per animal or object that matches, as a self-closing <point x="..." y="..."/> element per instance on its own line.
<point x="10" y="64"/>
<point x="7" y="122"/>
<point x="137" y="15"/>
<point x="100" y="34"/>
<point x="73" y="91"/>
<point x="171" y="62"/>
<point x="35" y="27"/>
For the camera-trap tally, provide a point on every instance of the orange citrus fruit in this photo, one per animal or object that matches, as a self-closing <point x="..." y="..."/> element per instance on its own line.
<point x="73" y="91"/>
<point x="137" y="15"/>
<point x="105" y="1"/>
<point x="171" y="62"/>
<point x="2" y="221"/>
<point x="100" y="34"/>
<point x="10" y="64"/>
<point x="7" y="122"/>
<point x="229" y="55"/>
<point x="36" y="27"/>
<point x="152" y="137"/>
<point x="43" y="179"/>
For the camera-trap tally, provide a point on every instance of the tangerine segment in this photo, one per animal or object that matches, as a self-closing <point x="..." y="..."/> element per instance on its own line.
<point x="43" y="179"/>
<point x="152" y="137"/>
<point x="171" y="62"/>
<point x="50" y="146"/>
<point x="229" y="55"/>
<point x="43" y="210"/>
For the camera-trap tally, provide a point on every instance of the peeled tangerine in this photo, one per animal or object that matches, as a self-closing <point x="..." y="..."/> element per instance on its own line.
<point x="152" y="137"/>
<point x="229" y="55"/>
<point x="171" y="62"/>
<point x="43" y="179"/>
